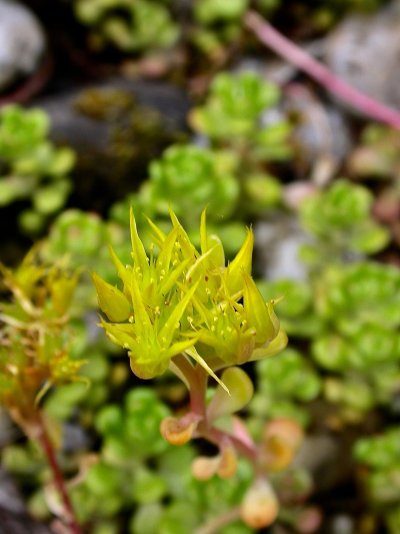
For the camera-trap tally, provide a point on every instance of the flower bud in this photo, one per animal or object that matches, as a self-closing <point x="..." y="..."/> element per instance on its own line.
<point x="204" y="468"/>
<point x="111" y="300"/>
<point x="282" y="438"/>
<point x="260" y="506"/>
<point x="228" y="463"/>
<point x="224" y="465"/>
<point x="177" y="431"/>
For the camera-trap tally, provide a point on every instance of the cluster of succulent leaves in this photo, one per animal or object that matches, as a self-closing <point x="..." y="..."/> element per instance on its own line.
<point x="31" y="167"/>
<point x="234" y="117"/>
<point x="145" y="485"/>
<point x="210" y="27"/>
<point x="348" y="312"/>
<point x="340" y="221"/>
<point x="128" y="26"/>
<point x="34" y="329"/>
<point x="377" y="155"/>
<point x="145" y="471"/>
<point x="148" y="26"/>
<point x="234" y="166"/>
<point x="322" y="15"/>
<point x="350" y="317"/>
<point x="380" y="473"/>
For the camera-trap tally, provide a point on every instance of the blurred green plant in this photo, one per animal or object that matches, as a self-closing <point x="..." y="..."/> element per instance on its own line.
<point x="381" y="475"/>
<point x="350" y="316"/>
<point x="31" y="167"/>
<point x="217" y="25"/>
<point x="286" y="385"/>
<point x="129" y="26"/>
<point x="232" y="118"/>
<point x="322" y="15"/>
<point x="341" y="223"/>
<point x="377" y="155"/>
<point x="232" y="115"/>
<point x="184" y="179"/>
<point x="234" y="167"/>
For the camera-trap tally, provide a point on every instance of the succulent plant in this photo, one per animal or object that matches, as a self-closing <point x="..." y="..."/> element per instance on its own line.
<point x="380" y="455"/>
<point x="341" y="221"/>
<point x="31" y="167"/>
<point x="128" y="26"/>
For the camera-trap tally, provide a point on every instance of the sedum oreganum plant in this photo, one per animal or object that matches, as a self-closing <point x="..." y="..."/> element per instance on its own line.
<point x="183" y="309"/>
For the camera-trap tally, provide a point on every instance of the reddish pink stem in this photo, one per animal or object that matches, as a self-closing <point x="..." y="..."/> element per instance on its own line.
<point x="59" y="482"/>
<point x="319" y="72"/>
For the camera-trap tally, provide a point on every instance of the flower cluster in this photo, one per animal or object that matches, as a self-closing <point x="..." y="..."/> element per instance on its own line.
<point x="184" y="301"/>
<point x="34" y="338"/>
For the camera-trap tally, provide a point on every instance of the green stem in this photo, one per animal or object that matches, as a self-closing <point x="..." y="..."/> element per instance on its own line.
<point x="59" y="482"/>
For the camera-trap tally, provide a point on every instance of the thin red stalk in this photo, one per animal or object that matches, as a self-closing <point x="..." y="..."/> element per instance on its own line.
<point x="197" y="382"/>
<point x="59" y="482"/>
<point x="217" y="436"/>
<point x="319" y="72"/>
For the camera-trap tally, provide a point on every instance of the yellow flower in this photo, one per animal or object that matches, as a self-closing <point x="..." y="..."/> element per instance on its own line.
<point x="182" y="301"/>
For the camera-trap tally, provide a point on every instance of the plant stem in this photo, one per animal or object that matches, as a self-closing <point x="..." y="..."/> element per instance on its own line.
<point x="319" y="72"/>
<point x="196" y="380"/>
<point x="45" y="441"/>
<point x="217" y="436"/>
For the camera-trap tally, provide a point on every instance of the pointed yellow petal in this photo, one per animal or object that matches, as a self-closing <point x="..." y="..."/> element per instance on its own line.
<point x="157" y="233"/>
<point x="276" y="345"/>
<point x="257" y="312"/>
<point x="122" y="271"/>
<point x="138" y="252"/>
<point x="121" y="334"/>
<point x="179" y="348"/>
<point x="187" y="247"/>
<point x="111" y="300"/>
<point x="142" y="319"/>
<point x="165" y="255"/>
<point x="211" y="242"/>
<point x="240" y="264"/>
<point x="203" y="232"/>
<point x="196" y="356"/>
<point x="168" y="329"/>
<point x="173" y="277"/>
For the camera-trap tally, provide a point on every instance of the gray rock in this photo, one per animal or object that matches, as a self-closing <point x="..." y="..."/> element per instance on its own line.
<point x="277" y="242"/>
<point x="10" y="498"/>
<point x="321" y="136"/>
<point x="364" y="51"/>
<point x="22" y="42"/>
